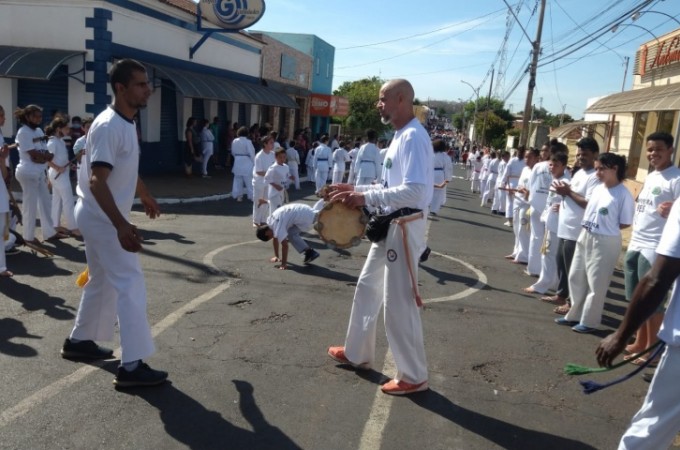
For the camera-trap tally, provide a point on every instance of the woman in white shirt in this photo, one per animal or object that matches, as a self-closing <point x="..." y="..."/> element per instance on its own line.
<point x="610" y="209"/>
<point x="207" y="144"/>
<point x="30" y="173"/>
<point x="58" y="173"/>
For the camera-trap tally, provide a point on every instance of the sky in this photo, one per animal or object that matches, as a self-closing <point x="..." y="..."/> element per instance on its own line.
<point x="438" y="43"/>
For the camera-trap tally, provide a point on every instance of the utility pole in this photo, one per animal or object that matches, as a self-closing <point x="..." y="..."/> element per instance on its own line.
<point x="564" y="107"/>
<point x="486" y="111"/>
<point x="532" y="76"/>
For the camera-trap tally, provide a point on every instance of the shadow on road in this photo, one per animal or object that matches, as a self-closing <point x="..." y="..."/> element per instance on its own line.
<point x="503" y="434"/>
<point x="10" y="329"/>
<point x="190" y="423"/>
<point x="33" y="299"/>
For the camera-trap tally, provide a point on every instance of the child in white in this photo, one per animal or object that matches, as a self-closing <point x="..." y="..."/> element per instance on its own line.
<point x="550" y="216"/>
<point x="244" y="159"/>
<point x="277" y="179"/>
<point x="443" y="171"/>
<point x="476" y="169"/>
<point x="491" y="176"/>
<point x="610" y="208"/>
<point x="322" y="157"/>
<point x="340" y="158"/>
<point x="293" y="161"/>
<point x="263" y="160"/>
<point x="58" y="173"/>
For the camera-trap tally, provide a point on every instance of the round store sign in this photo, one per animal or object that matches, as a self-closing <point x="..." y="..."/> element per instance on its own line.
<point x="232" y="14"/>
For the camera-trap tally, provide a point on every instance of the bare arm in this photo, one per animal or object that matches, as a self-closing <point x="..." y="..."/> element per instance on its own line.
<point x="648" y="295"/>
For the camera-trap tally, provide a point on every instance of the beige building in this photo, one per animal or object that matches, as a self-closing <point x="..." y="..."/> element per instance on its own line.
<point x="653" y="103"/>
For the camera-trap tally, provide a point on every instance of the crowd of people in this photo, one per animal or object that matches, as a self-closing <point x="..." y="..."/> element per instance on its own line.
<point x="566" y="223"/>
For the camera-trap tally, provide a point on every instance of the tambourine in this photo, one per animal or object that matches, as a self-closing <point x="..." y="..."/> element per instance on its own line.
<point x="341" y="226"/>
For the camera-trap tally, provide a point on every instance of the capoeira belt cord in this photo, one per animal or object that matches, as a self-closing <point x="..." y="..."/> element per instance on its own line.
<point x="401" y="222"/>
<point x="591" y="386"/>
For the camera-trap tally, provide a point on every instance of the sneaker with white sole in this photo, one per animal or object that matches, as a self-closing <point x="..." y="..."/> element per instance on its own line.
<point x="143" y="375"/>
<point x="338" y="354"/>
<point x="393" y="387"/>
<point x="84" y="350"/>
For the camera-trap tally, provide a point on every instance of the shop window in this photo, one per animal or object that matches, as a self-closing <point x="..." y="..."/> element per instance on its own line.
<point x="636" y="143"/>
<point x="666" y="121"/>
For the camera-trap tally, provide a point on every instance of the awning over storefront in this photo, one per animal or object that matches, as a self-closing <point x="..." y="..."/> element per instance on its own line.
<point x="657" y="98"/>
<point x="200" y="85"/>
<point x="567" y="128"/>
<point x="288" y="88"/>
<point x="34" y="63"/>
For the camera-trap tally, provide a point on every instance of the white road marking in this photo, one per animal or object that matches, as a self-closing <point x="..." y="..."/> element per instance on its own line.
<point x="49" y="391"/>
<point x="380" y="410"/>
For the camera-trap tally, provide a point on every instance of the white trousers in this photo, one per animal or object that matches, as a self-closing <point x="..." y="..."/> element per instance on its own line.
<point x="489" y="189"/>
<point x="295" y="173"/>
<point x="591" y="269"/>
<point x="548" y="279"/>
<point x="62" y="201"/>
<point x="536" y="235"/>
<point x="499" y="200"/>
<point x="206" y="158"/>
<point x="242" y="185"/>
<point x="275" y="198"/>
<point x="260" y="213"/>
<point x="509" y="205"/>
<point x="115" y="288"/>
<point x="657" y="422"/>
<point x="338" y="176"/>
<point x="321" y="176"/>
<point x="35" y="198"/>
<point x="385" y="281"/>
<point x="438" y="199"/>
<point x="520" y="225"/>
<point x="482" y="186"/>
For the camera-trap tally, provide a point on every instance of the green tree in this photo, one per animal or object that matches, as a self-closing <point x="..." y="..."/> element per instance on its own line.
<point x="362" y="96"/>
<point x="499" y="120"/>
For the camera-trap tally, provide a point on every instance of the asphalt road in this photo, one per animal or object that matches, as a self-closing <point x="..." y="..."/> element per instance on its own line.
<point x="245" y="345"/>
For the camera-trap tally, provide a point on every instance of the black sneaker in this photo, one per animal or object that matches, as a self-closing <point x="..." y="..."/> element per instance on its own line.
<point x="648" y="376"/>
<point x="310" y="255"/>
<point x="143" y="375"/>
<point x="425" y="255"/>
<point x="85" y="350"/>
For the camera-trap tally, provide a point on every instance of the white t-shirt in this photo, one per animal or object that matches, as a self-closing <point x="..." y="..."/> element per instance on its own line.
<point x="30" y="139"/>
<point x="263" y="161"/>
<point x="207" y="140"/>
<point x="293" y="214"/>
<point x="539" y="183"/>
<point x="277" y="173"/>
<point x="550" y="217"/>
<point x="660" y="186"/>
<point x="57" y="147"/>
<point x="607" y="209"/>
<point x="410" y="159"/>
<point x="523" y="183"/>
<point x="112" y="142"/>
<point x="571" y="214"/>
<point x="669" y="245"/>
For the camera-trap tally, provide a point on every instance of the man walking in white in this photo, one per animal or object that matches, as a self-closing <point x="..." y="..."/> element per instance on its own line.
<point x="367" y="160"/>
<point x="340" y="159"/>
<point x="322" y="159"/>
<point x="107" y="183"/>
<point x="389" y="276"/>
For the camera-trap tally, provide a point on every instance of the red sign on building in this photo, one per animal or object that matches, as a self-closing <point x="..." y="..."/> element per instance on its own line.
<point x="328" y="105"/>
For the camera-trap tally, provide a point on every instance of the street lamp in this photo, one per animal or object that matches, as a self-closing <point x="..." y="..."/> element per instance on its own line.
<point x="476" y="91"/>
<point x="636" y="15"/>
<point x="616" y="27"/>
